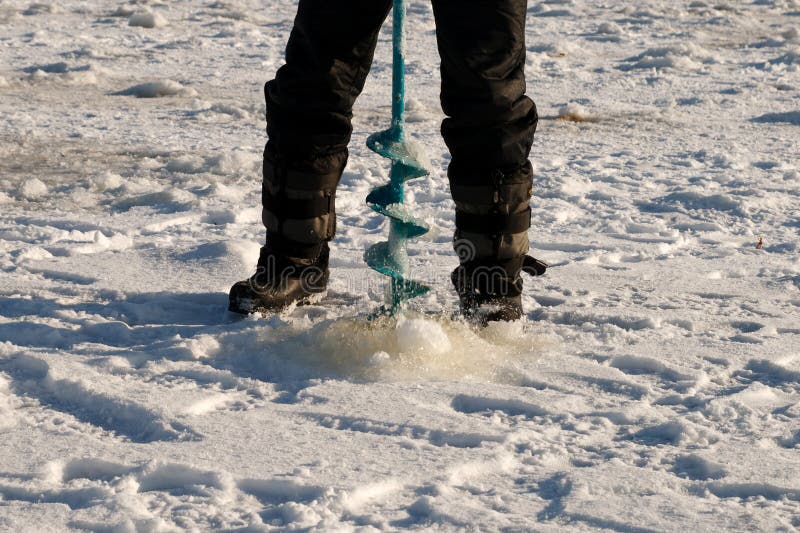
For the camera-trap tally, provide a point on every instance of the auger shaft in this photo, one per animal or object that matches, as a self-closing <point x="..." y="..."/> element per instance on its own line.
<point x="398" y="236"/>
<point x="399" y="68"/>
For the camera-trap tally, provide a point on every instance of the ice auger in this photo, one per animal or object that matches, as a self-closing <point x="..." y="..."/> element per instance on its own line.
<point x="391" y="258"/>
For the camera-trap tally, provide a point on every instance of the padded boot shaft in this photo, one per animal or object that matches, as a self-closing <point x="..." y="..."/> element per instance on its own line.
<point x="299" y="199"/>
<point x="279" y="282"/>
<point x="493" y="212"/>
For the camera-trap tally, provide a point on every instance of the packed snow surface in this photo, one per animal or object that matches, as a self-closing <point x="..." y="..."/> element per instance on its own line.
<point x="655" y="385"/>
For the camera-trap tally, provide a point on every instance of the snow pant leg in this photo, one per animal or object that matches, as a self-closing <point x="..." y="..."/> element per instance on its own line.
<point x="489" y="127"/>
<point x="309" y="108"/>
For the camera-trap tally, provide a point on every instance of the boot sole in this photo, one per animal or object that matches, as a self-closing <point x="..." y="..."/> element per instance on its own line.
<point x="241" y="309"/>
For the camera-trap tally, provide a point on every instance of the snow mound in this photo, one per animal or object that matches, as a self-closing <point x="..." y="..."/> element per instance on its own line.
<point x="158" y="89"/>
<point x="61" y="72"/>
<point x="107" y="181"/>
<point x="123" y="11"/>
<point x="225" y="164"/>
<point x="561" y="48"/>
<point x="234" y="162"/>
<point x="696" y="467"/>
<point x="574" y="112"/>
<point x="36" y="253"/>
<point x="33" y="189"/>
<point x="100" y="243"/>
<point x="421" y="335"/>
<point x="544" y="10"/>
<point x="684" y="56"/>
<point x="231" y="110"/>
<point x="147" y="19"/>
<point x="609" y="28"/>
<point x="188" y="164"/>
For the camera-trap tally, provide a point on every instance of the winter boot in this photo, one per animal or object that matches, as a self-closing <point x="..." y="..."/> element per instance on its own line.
<point x="298" y="200"/>
<point x="492" y="220"/>
<point x="491" y="291"/>
<point x="280" y="281"/>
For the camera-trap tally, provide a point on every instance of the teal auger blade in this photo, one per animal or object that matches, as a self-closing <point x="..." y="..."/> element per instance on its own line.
<point x="379" y="200"/>
<point x="379" y="258"/>
<point x="391" y="258"/>
<point x="399" y="151"/>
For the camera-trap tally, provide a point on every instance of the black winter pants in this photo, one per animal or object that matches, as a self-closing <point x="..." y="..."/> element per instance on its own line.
<point x="489" y="126"/>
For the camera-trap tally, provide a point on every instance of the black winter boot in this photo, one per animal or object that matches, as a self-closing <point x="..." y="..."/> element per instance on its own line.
<point x="299" y="212"/>
<point x="280" y="281"/>
<point x="490" y="291"/>
<point x="493" y="216"/>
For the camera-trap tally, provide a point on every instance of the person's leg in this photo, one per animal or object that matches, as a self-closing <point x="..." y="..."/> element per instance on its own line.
<point x="309" y="107"/>
<point x="489" y="131"/>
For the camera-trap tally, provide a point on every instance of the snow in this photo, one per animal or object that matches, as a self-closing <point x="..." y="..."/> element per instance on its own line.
<point x="655" y="385"/>
<point x="147" y="19"/>
<point x="421" y="335"/>
<point x="33" y="189"/>
<point x="158" y="89"/>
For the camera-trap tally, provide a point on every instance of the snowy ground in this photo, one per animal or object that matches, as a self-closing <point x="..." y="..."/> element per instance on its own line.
<point x="655" y="386"/>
